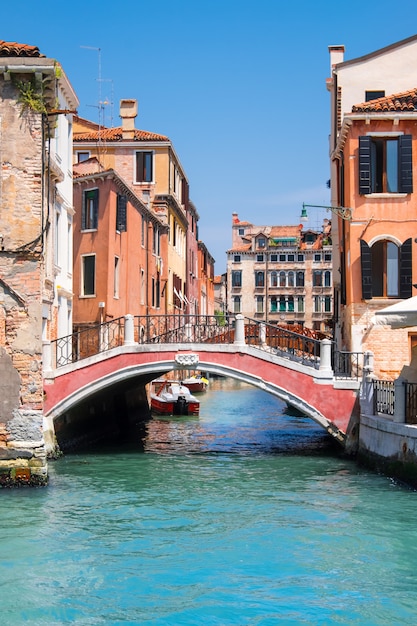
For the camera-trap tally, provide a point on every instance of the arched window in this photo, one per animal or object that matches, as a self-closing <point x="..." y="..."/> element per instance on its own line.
<point x="386" y="269"/>
<point x="282" y="279"/>
<point x="290" y="279"/>
<point x="300" y="279"/>
<point x="327" y="279"/>
<point x="274" y="279"/>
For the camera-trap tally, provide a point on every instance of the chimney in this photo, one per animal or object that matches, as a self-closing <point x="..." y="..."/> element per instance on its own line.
<point x="337" y="54"/>
<point x="128" y="112"/>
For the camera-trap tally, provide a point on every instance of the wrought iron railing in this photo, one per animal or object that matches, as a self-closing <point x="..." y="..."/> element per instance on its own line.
<point x="411" y="403"/>
<point x="346" y="364"/>
<point x="89" y="341"/>
<point x="303" y="347"/>
<point x="283" y="342"/>
<point x="384" y="396"/>
<point x="183" y="329"/>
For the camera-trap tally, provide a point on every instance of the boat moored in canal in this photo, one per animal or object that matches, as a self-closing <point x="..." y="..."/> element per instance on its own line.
<point x="172" y="398"/>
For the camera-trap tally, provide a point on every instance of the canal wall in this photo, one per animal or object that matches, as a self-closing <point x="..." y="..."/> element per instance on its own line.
<point x="385" y="442"/>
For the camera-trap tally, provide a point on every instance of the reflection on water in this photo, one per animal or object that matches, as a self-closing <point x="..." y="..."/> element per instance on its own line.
<point x="240" y="419"/>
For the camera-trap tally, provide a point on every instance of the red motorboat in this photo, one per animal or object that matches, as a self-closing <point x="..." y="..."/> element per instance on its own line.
<point x="171" y="398"/>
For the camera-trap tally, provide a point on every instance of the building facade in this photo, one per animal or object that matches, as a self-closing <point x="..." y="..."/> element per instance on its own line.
<point x="119" y="245"/>
<point x="149" y="165"/>
<point x="373" y="172"/>
<point x="37" y="104"/>
<point x="281" y="274"/>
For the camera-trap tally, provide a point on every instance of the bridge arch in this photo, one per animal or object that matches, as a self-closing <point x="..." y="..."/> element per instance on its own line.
<point x="310" y="391"/>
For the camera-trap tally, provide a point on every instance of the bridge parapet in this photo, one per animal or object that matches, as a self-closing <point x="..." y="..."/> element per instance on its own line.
<point x="301" y="347"/>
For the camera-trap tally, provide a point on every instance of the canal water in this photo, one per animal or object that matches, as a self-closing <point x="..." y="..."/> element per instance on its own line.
<point x="247" y="515"/>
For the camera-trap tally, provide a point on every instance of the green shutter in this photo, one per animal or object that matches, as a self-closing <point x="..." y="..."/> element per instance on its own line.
<point x="406" y="276"/>
<point x="366" y="267"/>
<point x="364" y="165"/>
<point x="121" y="219"/>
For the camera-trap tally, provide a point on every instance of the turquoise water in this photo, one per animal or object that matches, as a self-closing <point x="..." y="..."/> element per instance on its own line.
<point x="243" y="516"/>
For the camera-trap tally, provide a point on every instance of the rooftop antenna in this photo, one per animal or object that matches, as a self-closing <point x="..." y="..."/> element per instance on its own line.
<point x="110" y="102"/>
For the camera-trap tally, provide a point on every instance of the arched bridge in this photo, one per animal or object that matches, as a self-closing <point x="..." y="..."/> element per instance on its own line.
<point x="299" y="369"/>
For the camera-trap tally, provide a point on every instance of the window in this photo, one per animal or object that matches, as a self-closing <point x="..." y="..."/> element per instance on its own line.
<point x="241" y="231"/>
<point x="300" y="257"/>
<point x="236" y="258"/>
<point x="386" y="270"/>
<point x="327" y="279"/>
<point x="374" y="95"/>
<point x="317" y="278"/>
<point x="274" y="279"/>
<point x="156" y="240"/>
<point x="144" y="167"/>
<point x="261" y="242"/>
<point x="300" y="304"/>
<point x="259" y="304"/>
<point x="327" y="256"/>
<point x="317" y="257"/>
<point x="88" y="275"/>
<point x="282" y="279"/>
<point x="290" y="279"/>
<point x="274" y="304"/>
<point x="116" y="277"/>
<point x="236" y="304"/>
<point x="299" y="279"/>
<point x="236" y="278"/>
<point x="259" y="279"/>
<point x="290" y="258"/>
<point x="282" y="258"/>
<point x="82" y="156"/>
<point x="259" y="258"/>
<point x="143" y="230"/>
<point x="385" y="164"/>
<point x="89" y="217"/>
<point x="121" y="213"/>
<point x="274" y="258"/>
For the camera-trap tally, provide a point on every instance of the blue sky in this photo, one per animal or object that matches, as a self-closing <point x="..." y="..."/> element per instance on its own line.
<point x="237" y="85"/>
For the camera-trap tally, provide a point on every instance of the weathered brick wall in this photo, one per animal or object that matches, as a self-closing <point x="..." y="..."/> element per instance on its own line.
<point x="22" y="456"/>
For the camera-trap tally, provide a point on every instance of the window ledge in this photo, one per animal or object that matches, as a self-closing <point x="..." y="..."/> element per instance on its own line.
<point x="386" y="195"/>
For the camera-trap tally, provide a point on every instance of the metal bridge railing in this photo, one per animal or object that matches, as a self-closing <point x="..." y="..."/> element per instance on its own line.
<point x="303" y="347"/>
<point x="282" y="341"/>
<point x="183" y="329"/>
<point x="384" y="396"/>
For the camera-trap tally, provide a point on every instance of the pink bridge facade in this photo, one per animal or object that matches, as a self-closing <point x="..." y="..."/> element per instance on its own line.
<point x="332" y="403"/>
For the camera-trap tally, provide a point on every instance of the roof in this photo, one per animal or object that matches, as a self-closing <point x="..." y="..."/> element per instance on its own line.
<point x="14" y="49"/>
<point x="401" y="102"/>
<point x="381" y="51"/>
<point x="103" y="133"/>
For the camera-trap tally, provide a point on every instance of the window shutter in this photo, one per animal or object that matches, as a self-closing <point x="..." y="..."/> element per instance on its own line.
<point x="406" y="269"/>
<point x="366" y="267"/>
<point x="364" y="165"/>
<point x="139" y="167"/>
<point x="121" y="213"/>
<point x="84" y="212"/>
<point x="406" y="164"/>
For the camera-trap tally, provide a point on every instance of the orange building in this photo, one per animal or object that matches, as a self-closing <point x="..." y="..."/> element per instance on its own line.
<point x="118" y="249"/>
<point x="374" y="168"/>
<point x="150" y="167"/>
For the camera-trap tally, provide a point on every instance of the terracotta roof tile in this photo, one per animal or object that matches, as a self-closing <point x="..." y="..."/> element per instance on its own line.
<point x="401" y="102"/>
<point x="14" y="49"/>
<point x="95" y="132"/>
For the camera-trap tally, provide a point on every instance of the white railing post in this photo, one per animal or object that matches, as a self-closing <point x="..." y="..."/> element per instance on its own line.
<point x="239" y="330"/>
<point x="129" y="339"/>
<point x="326" y="356"/>
<point x="399" y="400"/>
<point x="367" y="386"/>
<point x="262" y="334"/>
<point x="46" y="358"/>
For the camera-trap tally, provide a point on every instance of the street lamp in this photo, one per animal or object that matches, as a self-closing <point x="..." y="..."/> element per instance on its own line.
<point x="344" y="212"/>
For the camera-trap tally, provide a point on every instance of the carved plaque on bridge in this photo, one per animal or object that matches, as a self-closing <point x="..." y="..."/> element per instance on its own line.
<point x="187" y="360"/>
